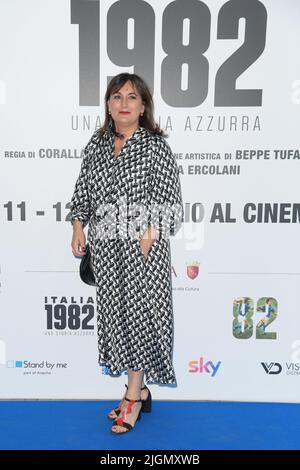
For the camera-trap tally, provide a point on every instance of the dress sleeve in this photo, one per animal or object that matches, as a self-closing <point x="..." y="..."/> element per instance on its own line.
<point x="164" y="198"/>
<point x="80" y="200"/>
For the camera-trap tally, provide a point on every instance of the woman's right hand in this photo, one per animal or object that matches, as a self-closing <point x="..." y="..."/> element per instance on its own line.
<point x="78" y="239"/>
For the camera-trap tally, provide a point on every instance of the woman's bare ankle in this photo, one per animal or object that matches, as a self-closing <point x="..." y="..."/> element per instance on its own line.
<point x="133" y="394"/>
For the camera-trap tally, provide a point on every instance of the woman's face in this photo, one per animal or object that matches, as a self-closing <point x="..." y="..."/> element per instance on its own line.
<point x="126" y="106"/>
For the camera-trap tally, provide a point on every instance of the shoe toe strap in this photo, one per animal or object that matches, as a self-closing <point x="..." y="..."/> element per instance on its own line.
<point x="120" y="422"/>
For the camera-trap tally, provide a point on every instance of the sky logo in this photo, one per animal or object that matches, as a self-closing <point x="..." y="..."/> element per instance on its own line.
<point x="200" y="366"/>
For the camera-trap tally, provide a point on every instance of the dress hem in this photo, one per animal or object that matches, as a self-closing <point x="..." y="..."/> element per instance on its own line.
<point x="150" y="377"/>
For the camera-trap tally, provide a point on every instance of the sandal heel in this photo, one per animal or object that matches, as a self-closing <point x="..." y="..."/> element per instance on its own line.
<point x="147" y="403"/>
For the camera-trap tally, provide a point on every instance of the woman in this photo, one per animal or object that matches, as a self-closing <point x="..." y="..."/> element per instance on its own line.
<point x="128" y="164"/>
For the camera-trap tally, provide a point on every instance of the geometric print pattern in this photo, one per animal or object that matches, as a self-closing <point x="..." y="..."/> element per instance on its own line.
<point x="134" y="294"/>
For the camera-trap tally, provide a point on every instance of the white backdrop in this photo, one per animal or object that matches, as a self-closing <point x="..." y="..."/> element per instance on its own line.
<point x="226" y="83"/>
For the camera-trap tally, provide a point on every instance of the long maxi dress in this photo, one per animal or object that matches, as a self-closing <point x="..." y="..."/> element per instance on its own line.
<point x="133" y="293"/>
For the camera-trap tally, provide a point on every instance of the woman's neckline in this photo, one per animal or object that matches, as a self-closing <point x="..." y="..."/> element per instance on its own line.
<point x="117" y="156"/>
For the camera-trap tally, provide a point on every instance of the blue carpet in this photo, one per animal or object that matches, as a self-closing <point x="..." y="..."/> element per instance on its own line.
<point x="171" y="425"/>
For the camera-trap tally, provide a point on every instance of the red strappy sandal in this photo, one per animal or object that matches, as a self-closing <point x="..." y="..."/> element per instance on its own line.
<point x="146" y="405"/>
<point x="120" y="421"/>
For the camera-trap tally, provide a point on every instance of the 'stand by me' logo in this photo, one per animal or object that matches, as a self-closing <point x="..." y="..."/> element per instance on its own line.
<point x="200" y="366"/>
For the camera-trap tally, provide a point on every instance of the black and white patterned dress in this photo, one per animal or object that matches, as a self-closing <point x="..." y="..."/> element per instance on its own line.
<point x="134" y="293"/>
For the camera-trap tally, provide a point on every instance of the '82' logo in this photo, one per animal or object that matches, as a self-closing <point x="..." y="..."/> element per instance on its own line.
<point x="185" y="41"/>
<point x="243" y="317"/>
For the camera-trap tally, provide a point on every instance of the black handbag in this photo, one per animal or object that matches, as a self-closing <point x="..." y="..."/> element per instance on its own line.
<point x="85" y="268"/>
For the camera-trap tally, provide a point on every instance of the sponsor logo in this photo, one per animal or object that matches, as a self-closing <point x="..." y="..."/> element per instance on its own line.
<point x="199" y="366"/>
<point x="36" y="368"/>
<point x="275" y="368"/>
<point x="272" y="368"/>
<point x="193" y="270"/>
